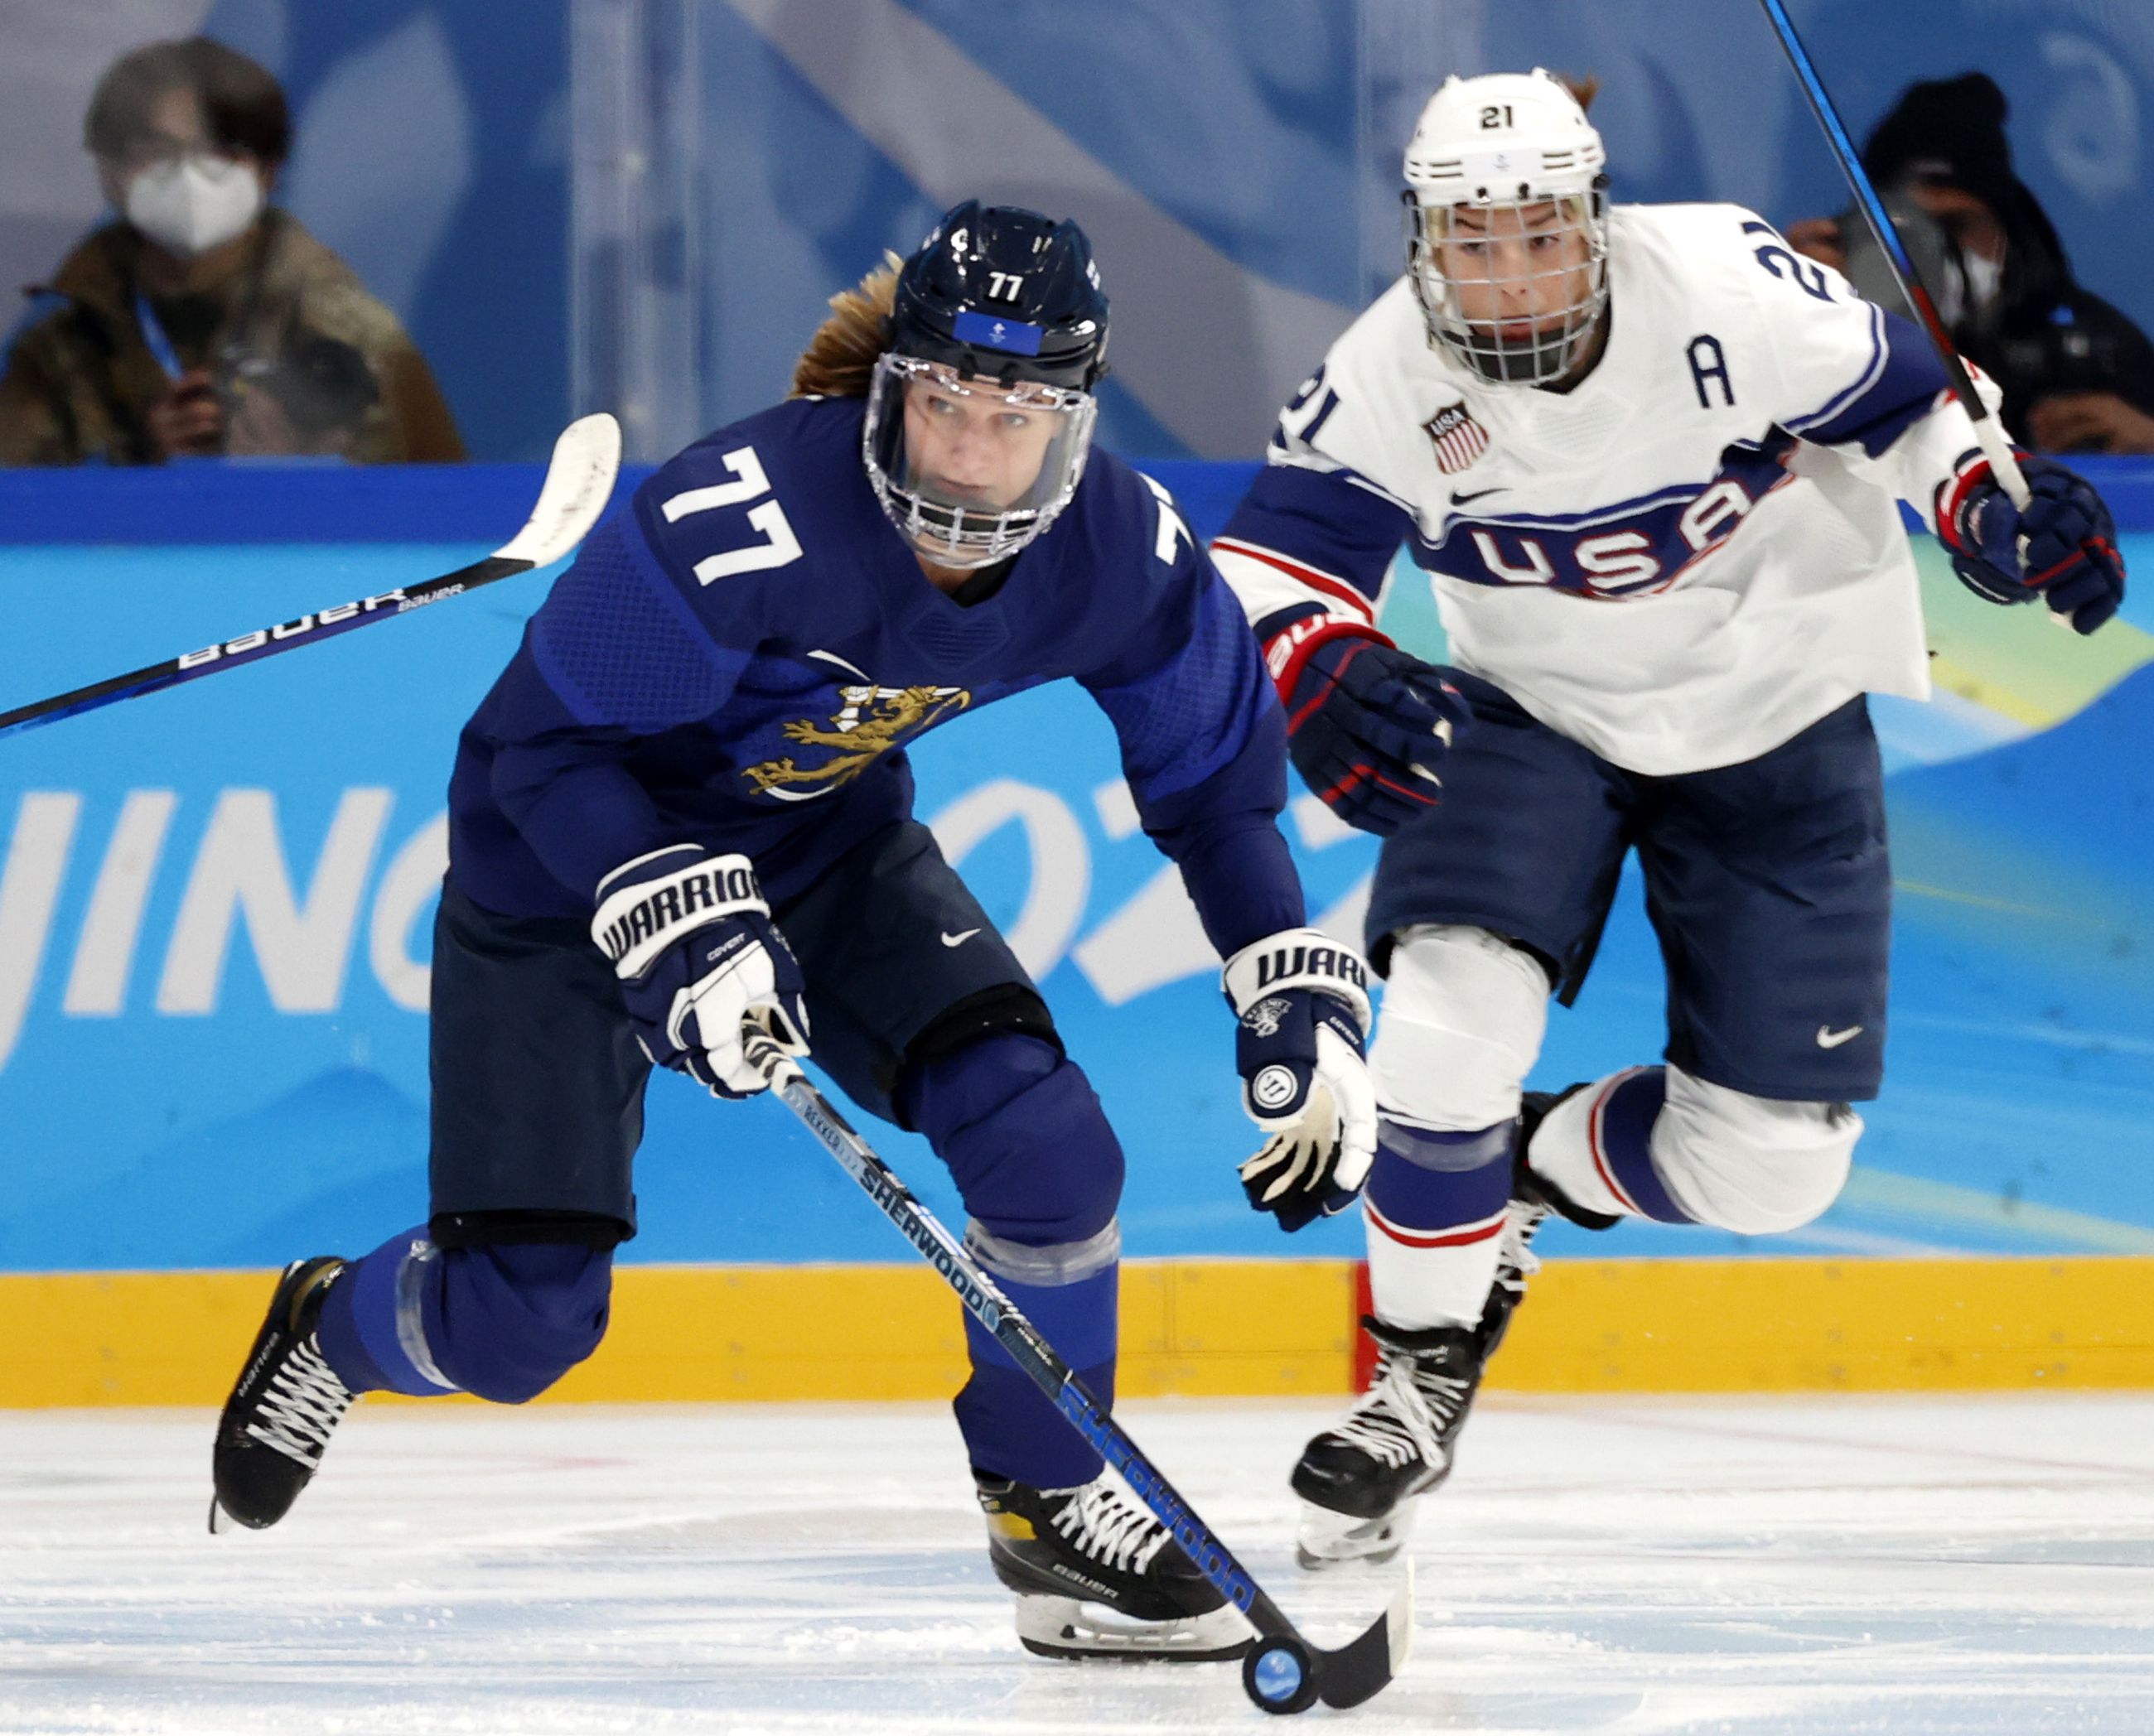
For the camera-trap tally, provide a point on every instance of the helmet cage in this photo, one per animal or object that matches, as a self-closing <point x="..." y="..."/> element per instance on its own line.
<point x="1554" y="349"/>
<point x="960" y="534"/>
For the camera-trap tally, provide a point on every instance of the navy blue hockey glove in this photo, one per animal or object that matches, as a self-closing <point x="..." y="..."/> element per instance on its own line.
<point x="1367" y="724"/>
<point x="691" y="939"/>
<point x="1303" y="1001"/>
<point x="2061" y="548"/>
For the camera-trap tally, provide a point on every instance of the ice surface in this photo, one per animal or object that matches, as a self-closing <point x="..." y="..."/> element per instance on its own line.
<point x="1624" y="1565"/>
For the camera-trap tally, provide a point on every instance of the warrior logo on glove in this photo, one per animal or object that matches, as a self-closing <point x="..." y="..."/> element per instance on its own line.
<point x="1303" y="1001"/>
<point x="1276" y="1086"/>
<point x="1286" y="961"/>
<point x="692" y="940"/>
<point x="713" y="889"/>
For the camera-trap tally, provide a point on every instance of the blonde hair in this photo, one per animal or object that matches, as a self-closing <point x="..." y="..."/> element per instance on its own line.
<point x="840" y="360"/>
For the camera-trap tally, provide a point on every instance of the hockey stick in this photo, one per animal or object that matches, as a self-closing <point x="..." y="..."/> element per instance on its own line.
<point x="1995" y="447"/>
<point x="579" y="483"/>
<point x="1282" y="1672"/>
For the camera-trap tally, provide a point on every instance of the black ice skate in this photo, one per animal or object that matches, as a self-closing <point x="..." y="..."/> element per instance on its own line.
<point x="1533" y="1202"/>
<point x="278" y="1422"/>
<point x="1096" y="1575"/>
<point x="1357" y="1481"/>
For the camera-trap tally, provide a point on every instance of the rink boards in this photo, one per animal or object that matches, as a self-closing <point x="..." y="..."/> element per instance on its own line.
<point x="1215" y="1328"/>
<point x="214" y="906"/>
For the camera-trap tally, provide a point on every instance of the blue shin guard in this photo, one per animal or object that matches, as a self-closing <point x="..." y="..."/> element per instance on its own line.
<point x="502" y="1322"/>
<point x="1440" y="1188"/>
<point x="1040" y="1172"/>
<point x="1011" y="1427"/>
<point x="372" y="1329"/>
<point x="1621" y="1135"/>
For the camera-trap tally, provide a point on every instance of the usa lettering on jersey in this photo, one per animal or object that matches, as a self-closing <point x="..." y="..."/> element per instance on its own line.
<point x="1731" y="467"/>
<point x="1643" y="547"/>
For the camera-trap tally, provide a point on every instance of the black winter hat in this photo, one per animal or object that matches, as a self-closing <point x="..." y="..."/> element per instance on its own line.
<point x="1950" y="131"/>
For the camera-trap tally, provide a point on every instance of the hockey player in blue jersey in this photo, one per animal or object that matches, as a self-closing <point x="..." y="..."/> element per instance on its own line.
<point x="685" y="807"/>
<point x="1652" y="463"/>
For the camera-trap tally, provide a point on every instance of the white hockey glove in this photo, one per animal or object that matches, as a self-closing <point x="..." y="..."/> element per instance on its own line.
<point x="691" y="939"/>
<point x="1303" y="1001"/>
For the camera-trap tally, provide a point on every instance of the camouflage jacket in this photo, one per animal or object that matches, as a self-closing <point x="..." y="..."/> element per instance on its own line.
<point x="304" y="360"/>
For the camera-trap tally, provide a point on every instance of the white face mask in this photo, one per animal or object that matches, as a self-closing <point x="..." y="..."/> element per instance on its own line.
<point x="1985" y="277"/>
<point x="195" y="203"/>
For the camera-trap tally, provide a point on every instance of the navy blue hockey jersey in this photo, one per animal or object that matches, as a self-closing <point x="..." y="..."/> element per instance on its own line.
<point x="740" y="659"/>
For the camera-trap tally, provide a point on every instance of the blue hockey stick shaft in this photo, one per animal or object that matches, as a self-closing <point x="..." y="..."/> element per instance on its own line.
<point x="1995" y="446"/>
<point x="1355" y="1672"/>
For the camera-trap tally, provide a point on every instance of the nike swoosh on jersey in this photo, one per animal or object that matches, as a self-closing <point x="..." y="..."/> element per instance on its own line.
<point x="960" y="939"/>
<point x="1478" y="494"/>
<point x="1828" y="1038"/>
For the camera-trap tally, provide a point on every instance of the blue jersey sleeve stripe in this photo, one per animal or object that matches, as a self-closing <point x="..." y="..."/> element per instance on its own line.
<point x="1331" y="521"/>
<point x="1871" y="371"/>
<point x="1905" y="389"/>
<point x="1348" y="475"/>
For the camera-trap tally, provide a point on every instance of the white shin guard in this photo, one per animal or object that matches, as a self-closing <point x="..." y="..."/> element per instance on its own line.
<point x="1463" y="1016"/>
<point x="1753" y="1165"/>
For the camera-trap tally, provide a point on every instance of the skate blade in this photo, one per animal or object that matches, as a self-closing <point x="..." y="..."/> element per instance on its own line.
<point x="220" y="1521"/>
<point x="1065" y="1627"/>
<point x="1329" y="1539"/>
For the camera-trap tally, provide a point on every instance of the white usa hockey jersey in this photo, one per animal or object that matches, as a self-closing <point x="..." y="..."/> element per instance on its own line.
<point x="1679" y="563"/>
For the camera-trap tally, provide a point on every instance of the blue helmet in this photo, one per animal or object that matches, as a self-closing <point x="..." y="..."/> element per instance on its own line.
<point x="980" y="411"/>
<point x="1004" y="293"/>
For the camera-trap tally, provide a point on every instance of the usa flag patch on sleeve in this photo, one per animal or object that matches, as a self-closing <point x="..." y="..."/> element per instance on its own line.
<point x="1458" y="439"/>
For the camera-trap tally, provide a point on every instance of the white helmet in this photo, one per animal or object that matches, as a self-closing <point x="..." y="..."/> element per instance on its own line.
<point x="1517" y="149"/>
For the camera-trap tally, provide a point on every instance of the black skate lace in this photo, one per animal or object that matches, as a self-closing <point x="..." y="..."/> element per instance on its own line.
<point x="1405" y="1412"/>
<point x="1101" y="1524"/>
<point x="305" y="1402"/>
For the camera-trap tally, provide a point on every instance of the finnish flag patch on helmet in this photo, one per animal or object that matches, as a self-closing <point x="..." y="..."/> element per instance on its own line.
<point x="992" y="332"/>
<point x="1458" y="439"/>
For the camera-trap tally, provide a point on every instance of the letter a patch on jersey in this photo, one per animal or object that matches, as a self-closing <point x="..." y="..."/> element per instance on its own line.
<point x="1458" y="439"/>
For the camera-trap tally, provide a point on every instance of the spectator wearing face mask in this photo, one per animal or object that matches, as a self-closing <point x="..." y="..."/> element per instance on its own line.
<point x="2078" y="375"/>
<point x="203" y="319"/>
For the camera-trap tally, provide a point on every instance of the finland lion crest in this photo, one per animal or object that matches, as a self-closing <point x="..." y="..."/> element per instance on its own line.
<point x="871" y="720"/>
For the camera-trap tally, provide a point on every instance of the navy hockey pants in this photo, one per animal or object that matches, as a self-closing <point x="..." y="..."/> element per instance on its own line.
<point x="538" y="1110"/>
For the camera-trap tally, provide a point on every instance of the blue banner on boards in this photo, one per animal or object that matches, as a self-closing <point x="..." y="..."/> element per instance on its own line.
<point x="214" y="908"/>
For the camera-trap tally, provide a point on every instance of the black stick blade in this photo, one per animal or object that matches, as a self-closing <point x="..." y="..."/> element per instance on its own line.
<point x="1363" y="1668"/>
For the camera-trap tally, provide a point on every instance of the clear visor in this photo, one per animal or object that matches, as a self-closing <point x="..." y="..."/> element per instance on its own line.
<point x="1514" y="289"/>
<point x="969" y="470"/>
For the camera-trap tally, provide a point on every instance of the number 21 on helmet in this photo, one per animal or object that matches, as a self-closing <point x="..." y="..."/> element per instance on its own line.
<point x="1507" y="226"/>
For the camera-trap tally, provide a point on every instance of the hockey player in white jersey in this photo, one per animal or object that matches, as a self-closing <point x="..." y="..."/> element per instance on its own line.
<point x="1652" y="461"/>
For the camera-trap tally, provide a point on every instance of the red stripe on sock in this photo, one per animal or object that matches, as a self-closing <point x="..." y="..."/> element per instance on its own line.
<point x="1459" y="1236"/>
<point x="1594" y="1143"/>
